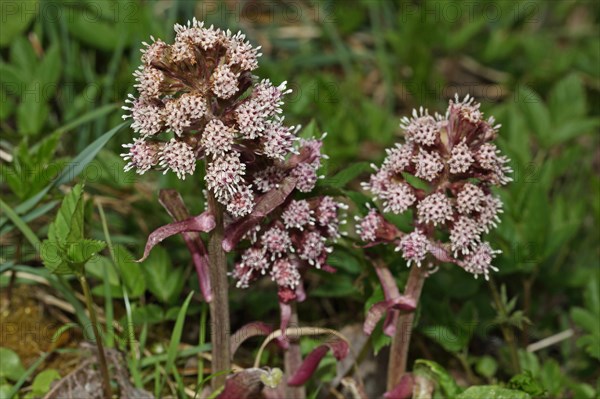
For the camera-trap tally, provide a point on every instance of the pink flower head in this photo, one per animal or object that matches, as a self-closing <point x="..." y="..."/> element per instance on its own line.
<point x="470" y="199"/>
<point x="398" y="198"/>
<point x="307" y="177"/>
<point x="277" y="241"/>
<point x="241" y="202"/>
<point x="297" y="215"/>
<point x="141" y="156"/>
<point x="224" y="176"/>
<point x="398" y="158"/>
<point x="224" y="82"/>
<point x="489" y="213"/>
<point x="278" y="140"/>
<point x="241" y="53"/>
<point x="312" y="248"/>
<point x="414" y="247"/>
<point x="461" y="158"/>
<point x="255" y="259"/>
<point x="217" y="138"/>
<point x="243" y="274"/>
<point x="149" y="81"/>
<point x="379" y="183"/>
<point x="422" y="128"/>
<point x="480" y="260"/>
<point x="182" y="112"/>
<point x="428" y="165"/>
<point x="268" y="178"/>
<point x="148" y="119"/>
<point x="464" y="235"/>
<point x="443" y="174"/>
<point x="435" y="208"/>
<point x="178" y="157"/>
<point x="285" y="273"/>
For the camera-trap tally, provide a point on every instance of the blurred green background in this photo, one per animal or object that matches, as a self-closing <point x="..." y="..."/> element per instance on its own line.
<point x="355" y="67"/>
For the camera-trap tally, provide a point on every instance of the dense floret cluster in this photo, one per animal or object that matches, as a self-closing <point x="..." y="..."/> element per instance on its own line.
<point x="199" y="100"/>
<point x="296" y="239"/>
<point x="455" y="158"/>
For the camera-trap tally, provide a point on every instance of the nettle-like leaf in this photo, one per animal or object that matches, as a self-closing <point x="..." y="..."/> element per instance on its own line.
<point x="66" y="250"/>
<point x="434" y="372"/>
<point x="587" y="319"/>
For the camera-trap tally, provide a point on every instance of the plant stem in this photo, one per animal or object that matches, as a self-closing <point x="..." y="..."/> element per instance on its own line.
<point x="292" y="359"/>
<point x="94" y="320"/>
<point x="219" y="306"/>
<point x="404" y="326"/>
<point x="507" y="332"/>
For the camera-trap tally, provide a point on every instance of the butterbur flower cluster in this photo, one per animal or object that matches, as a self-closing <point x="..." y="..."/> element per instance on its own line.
<point x="198" y="100"/>
<point x="294" y="239"/>
<point x="454" y="155"/>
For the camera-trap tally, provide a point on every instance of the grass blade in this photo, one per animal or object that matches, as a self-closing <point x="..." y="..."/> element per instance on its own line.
<point x="176" y="338"/>
<point x="21" y="225"/>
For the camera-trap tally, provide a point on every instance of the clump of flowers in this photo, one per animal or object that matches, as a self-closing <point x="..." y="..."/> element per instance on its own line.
<point x="198" y="100"/>
<point x="297" y="238"/>
<point x="455" y="159"/>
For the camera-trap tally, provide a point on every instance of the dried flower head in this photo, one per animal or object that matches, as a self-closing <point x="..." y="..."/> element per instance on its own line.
<point x="454" y="155"/>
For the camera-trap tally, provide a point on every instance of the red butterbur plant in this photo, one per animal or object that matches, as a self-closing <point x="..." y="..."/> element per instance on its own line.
<point x="198" y="101"/>
<point x="443" y="173"/>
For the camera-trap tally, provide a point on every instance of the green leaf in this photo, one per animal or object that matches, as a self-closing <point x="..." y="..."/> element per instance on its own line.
<point x="64" y="227"/>
<point x="96" y="266"/>
<point x="43" y="381"/>
<point x="11" y="367"/>
<point x="66" y="251"/>
<point x="5" y="390"/>
<point x="573" y="129"/>
<point x="83" y="250"/>
<point x="587" y="319"/>
<point x="33" y="110"/>
<point x="23" y="57"/>
<point x="163" y="280"/>
<point x="96" y="32"/>
<point x="446" y="337"/>
<point x="567" y="100"/>
<point x="48" y="72"/>
<point x="434" y="372"/>
<point x="536" y="113"/>
<point x="343" y="177"/>
<point x="526" y="383"/>
<point x="54" y="258"/>
<point x="486" y="366"/>
<point x="16" y="17"/>
<point x="492" y="392"/>
<point x="130" y="271"/>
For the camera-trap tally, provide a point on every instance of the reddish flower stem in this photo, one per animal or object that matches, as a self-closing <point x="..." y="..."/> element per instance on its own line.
<point x="292" y="360"/>
<point x="404" y="326"/>
<point x="219" y="306"/>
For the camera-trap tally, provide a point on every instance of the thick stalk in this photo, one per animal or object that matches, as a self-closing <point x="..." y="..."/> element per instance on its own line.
<point x="404" y="326"/>
<point x="292" y="359"/>
<point x="219" y="306"/>
<point x="94" y="320"/>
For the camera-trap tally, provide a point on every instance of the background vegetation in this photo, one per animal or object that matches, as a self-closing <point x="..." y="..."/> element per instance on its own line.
<point x="356" y="68"/>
